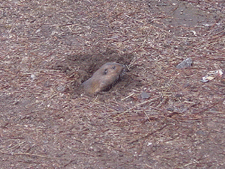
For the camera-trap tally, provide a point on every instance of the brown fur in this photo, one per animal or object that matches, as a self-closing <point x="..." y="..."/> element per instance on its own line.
<point x="105" y="76"/>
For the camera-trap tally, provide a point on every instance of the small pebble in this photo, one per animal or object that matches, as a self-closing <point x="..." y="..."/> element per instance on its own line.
<point x="223" y="77"/>
<point x="145" y="95"/>
<point x="47" y="84"/>
<point x="184" y="64"/>
<point x="61" y="88"/>
<point x="32" y="76"/>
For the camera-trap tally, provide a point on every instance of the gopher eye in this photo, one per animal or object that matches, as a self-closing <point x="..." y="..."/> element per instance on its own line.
<point x="114" y="67"/>
<point x="105" y="71"/>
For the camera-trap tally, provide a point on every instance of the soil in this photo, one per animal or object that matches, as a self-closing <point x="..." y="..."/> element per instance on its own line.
<point x="156" y="116"/>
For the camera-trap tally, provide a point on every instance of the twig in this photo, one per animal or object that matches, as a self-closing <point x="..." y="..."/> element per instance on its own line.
<point x="148" y="101"/>
<point x="127" y="96"/>
<point x="149" y="134"/>
<point x="27" y="154"/>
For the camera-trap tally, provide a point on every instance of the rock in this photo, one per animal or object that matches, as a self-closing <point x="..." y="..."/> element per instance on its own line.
<point x="145" y="95"/>
<point x="184" y="64"/>
<point x="61" y="88"/>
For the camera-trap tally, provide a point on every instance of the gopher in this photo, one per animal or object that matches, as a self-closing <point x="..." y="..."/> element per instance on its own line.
<point x="107" y="75"/>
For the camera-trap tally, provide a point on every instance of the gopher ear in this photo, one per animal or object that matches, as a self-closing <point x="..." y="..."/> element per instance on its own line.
<point x="105" y="72"/>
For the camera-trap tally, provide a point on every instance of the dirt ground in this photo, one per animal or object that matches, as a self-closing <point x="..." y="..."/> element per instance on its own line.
<point x="157" y="116"/>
